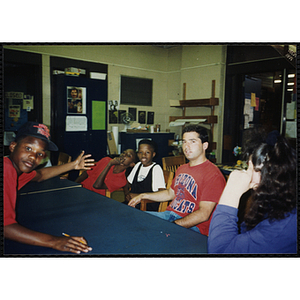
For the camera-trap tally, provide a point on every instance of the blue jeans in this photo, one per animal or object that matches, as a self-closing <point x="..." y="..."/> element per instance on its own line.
<point x="169" y="216"/>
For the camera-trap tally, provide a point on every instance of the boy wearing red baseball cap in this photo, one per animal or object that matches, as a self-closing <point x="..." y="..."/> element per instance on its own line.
<point x="26" y="152"/>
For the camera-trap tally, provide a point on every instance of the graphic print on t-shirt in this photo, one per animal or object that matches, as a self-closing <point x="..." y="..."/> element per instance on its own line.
<point x="185" y="184"/>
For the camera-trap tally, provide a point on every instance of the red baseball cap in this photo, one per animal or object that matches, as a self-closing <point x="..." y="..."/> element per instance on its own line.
<point x="37" y="130"/>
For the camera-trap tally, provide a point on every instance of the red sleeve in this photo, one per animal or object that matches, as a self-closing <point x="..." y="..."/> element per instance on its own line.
<point x="115" y="181"/>
<point x="11" y="185"/>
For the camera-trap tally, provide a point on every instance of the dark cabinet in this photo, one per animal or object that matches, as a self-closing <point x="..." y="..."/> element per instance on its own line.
<point x="130" y="140"/>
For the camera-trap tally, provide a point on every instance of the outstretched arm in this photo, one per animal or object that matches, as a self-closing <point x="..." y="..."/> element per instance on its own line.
<point x="24" y="235"/>
<point x="160" y="196"/>
<point x="81" y="162"/>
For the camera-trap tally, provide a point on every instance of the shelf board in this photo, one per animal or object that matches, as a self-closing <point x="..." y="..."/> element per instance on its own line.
<point x="198" y="102"/>
<point x="209" y="119"/>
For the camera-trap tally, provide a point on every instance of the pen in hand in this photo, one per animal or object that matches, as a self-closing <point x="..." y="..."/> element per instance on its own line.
<point x="67" y="235"/>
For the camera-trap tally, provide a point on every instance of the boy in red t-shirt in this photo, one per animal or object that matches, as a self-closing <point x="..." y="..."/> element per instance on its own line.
<point x="109" y="173"/>
<point x="196" y="188"/>
<point x="27" y="151"/>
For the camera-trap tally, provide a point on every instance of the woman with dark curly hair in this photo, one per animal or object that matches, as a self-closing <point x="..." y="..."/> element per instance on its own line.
<point x="270" y="222"/>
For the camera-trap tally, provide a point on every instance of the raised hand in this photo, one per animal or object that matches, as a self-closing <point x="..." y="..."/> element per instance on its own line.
<point x="82" y="162"/>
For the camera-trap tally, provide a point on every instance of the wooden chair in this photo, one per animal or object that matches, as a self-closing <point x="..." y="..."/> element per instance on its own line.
<point x="171" y="163"/>
<point x="168" y="175"/>
<point x="108" y="193"/>
<point x="64" y="158"/>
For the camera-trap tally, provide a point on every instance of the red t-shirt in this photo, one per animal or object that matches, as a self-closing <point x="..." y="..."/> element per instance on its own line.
<point x="191" y="185"/>
<point x="113" y="181"/>
<point x="12" y="183"/>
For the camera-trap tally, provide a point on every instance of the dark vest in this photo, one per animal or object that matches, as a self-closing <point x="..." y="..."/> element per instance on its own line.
<point x="144" y="186"/>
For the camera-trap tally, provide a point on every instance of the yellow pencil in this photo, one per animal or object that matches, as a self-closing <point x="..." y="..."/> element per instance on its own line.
<point x="67" y="235"/>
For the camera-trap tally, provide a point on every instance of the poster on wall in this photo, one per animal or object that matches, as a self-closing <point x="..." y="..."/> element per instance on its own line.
<point x="142" y="117"/>
<point x="150" y="117"/>
<point x="120" y="113"/>
<point x="76" y="100"/>
<point x="15" y="117"/>
<point x="113" y="111"/>
<point x="248" y="113"/>
<point x="132" y="111"/>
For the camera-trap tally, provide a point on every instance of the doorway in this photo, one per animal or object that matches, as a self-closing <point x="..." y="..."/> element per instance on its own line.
<point x="275" y="73"/>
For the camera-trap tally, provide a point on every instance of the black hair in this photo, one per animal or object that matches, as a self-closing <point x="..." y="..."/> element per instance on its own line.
<point x="202" y="132"/>
<point x="151" y="143"/>
<point x="275" y="195"/>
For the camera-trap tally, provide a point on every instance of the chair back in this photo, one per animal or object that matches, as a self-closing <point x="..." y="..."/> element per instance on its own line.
<point x="108" y="193"/>
<point x="169" y="175"/>
<point x="171" y="163"/>
<point x="64" y="158"/>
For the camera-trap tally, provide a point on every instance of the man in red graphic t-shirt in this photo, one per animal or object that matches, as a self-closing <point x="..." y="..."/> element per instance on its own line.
<point x="196" y="187"/>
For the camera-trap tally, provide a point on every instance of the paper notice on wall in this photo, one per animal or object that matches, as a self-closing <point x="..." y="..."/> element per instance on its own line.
<point x="96" y="75"/>
<point x="248" y="113"/>
<point x="28" y="102"/>
<point x="76" y="123"/>
<point x="291" y="110"/>
<point x="291" y="129"/>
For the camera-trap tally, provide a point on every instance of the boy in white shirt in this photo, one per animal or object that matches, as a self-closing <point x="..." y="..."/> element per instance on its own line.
<point x="146" y="176"/>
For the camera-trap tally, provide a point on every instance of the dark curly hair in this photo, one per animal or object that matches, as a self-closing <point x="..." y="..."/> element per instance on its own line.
<point x="203" y="135"/>
<point x="275" y="197"/>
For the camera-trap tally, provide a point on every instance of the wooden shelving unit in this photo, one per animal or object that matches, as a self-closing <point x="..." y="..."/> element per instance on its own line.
<point x="208" y="102"/>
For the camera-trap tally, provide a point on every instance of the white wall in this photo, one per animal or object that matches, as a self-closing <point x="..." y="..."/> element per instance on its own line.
<point x="195" y="65"/>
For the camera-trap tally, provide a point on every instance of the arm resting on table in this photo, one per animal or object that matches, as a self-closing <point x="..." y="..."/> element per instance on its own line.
<point x="24" y="235"/>
<point x="198" y="216"/>
<point x="160" y="196"/>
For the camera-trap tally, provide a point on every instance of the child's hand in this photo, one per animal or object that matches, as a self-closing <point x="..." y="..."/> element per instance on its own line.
<point x="81" y="162"/>
<point x="72" y="244"/>
<point x="115" y="161"/>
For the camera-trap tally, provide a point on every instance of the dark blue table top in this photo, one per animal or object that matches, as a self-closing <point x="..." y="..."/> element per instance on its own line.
<point x="55" y="183"/>
<point x="110" y="227"/>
